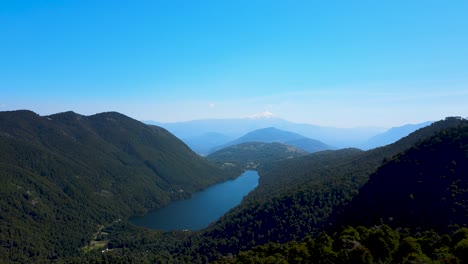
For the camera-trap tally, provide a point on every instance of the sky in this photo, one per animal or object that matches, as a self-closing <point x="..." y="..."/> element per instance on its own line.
<point x="334" y="63"/>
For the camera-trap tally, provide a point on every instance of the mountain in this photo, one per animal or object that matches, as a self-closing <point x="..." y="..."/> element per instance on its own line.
<point x="203" y="144"/>
<point x="271" y="134"/>
<point x="234" y="128"/>
<point x="392" y="135"/>
<point x="424" y="187"/>
<point x="64" y="175"/>
<point x="251" y="155"/>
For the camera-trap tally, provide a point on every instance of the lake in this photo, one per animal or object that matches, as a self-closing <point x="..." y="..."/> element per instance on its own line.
<point x="203" y="208"/>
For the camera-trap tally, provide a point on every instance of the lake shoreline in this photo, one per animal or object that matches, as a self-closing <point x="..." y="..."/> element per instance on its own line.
<point x="202" y="208"/>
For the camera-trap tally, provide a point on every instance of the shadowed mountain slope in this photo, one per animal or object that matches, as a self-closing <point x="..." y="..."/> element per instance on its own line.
<point x="424" y="187"/>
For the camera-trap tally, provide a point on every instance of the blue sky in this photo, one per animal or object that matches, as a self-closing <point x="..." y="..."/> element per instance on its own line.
<point x="338" y="63"/>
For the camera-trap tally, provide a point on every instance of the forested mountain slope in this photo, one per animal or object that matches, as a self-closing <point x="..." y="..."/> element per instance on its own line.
<point x="424" y="187"/>
<point x="251" y="155"/>
<point x="63" y="175"/>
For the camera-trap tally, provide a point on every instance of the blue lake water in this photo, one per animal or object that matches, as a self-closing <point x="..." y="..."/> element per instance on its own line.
<point x="203" y="208"/>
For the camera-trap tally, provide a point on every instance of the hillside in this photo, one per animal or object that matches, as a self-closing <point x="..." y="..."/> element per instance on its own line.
<point x="271" y="134"/>
<point x="254" y="154"/>
<point x="64" y="175"/>
<point x="424" y="187"/>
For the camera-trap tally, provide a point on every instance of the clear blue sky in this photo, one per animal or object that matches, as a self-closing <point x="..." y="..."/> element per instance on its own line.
<point x="340" y="63"/>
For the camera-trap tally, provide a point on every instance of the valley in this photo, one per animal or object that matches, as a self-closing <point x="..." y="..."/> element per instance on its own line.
<point x="202" y="208"/>
<point x="86" y="172"/>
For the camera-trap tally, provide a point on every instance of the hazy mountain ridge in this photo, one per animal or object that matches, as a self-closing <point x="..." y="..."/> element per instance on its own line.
<point x="392" y="135"/>
<point x="337" y="137"/>
<point x="204" y="144"/>
<point x="271" y="134"/>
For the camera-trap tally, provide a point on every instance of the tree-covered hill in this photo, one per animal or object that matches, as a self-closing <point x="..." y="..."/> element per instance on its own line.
<point x="363" y="245"/>
<point x="251" y="155"/>
<point x="424" y="187"/>
<point x="61" y="176"/>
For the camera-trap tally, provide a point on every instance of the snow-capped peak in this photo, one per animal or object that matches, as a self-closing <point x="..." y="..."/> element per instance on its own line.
<point x="261" y="115"/>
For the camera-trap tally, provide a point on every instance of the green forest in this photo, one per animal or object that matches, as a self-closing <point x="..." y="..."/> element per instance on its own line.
<point x="64" y="176"/>
<point x="71" y="182"/>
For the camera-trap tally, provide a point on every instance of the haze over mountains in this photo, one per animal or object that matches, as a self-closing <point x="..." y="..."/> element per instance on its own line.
<point x="206" y="143"/>
<point x="392" y="135"/>
<point x="271" y="134"/>
<point x="234" y="128"/>
<point x="206" y="136"/>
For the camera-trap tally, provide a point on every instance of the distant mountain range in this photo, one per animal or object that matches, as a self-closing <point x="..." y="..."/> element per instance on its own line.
<point x="234" y="128"/>
<point x="205" y="135"/>
<point x="271" y="134"/>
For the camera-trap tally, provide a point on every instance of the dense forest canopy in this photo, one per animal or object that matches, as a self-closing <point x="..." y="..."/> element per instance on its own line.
<point x="64" y="175"/>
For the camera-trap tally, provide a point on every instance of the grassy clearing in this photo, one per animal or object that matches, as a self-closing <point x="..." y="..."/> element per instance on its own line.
<point x="98" y="242"/>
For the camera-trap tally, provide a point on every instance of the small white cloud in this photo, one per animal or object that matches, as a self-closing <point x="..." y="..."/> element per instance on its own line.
<point x="211" y="105"/>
